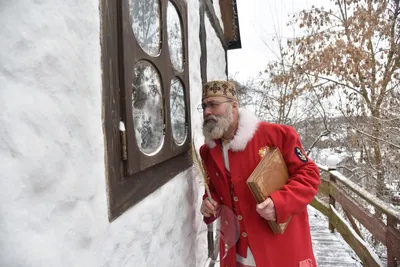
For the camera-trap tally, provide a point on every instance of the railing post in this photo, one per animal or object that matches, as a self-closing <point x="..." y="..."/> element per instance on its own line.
<point x="391" y="258"/>
<point x="332" y="165"/>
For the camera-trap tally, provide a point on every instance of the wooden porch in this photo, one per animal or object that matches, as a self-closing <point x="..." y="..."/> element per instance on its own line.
<point x="347" y="208"/>
<point x="329" y="248"/>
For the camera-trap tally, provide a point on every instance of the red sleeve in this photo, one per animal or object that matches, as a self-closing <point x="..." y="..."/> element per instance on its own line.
<point x="214" y="195"/>
<point x="304" y="178"/>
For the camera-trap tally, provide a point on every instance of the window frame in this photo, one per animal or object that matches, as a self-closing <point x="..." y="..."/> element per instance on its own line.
<point x="131" y="180"/>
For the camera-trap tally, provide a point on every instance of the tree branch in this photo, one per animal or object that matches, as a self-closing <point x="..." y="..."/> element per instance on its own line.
<point x="342" y="84"/>
<point x="372" y="137"/>
<point x="326" y="131"/>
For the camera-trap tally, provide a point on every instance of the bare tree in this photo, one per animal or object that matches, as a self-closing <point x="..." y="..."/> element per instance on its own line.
<point x="274" y="96"/>
<point x="354" y="52"/>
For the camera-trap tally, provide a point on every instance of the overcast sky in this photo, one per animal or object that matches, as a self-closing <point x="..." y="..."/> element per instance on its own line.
<point x="259" y="20"/>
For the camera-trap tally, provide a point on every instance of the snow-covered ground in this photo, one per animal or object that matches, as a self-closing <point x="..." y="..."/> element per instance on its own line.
<point x="329" y="248"/>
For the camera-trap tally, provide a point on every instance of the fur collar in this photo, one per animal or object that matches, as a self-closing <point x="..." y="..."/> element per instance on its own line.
<point x="248" y="124"/>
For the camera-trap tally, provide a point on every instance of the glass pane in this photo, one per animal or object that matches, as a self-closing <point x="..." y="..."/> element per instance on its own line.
<point x="175" y="42"/>
<point x="147" y="107"/>
<point x="178" y="118"/>
<point x="145" y="20"/>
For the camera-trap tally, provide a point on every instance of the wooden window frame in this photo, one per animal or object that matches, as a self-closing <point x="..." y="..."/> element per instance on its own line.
<point x="131" y="180"/>
<point x="230" y="34"/>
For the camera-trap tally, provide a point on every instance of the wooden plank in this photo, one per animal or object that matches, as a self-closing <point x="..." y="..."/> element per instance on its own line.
<point x="329" y="250"/>
<point x="367" y="256"/>
<point x="203" y="45"/>
<point x="322" y="168"/>
<point x="353" y="223"/>
<point x="320" y="206"/>
<point x="332" y="201"/>
<point x="230" y="19"/>
<point x="110" y="95"/>
<point x="374" y="225"/>
<point x="393" y="243"/>
<point x="323" y="188"/>
<point x="227" y="18"/>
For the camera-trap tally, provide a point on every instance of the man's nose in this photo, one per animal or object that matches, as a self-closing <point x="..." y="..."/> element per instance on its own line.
<point x="207" y="111"/>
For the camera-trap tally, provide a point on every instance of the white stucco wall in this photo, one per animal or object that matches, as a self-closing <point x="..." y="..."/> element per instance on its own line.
<point x="216" y="60"/>
<point x="53" y="209"/>
<point x="52" y="201"/>
<point x="217" y="9"/>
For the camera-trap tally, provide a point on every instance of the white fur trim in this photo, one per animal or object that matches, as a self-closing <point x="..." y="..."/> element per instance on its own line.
<point x="248" y="124"/>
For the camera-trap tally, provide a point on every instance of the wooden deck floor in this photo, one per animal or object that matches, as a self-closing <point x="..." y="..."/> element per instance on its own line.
<point x="329" y="248"/>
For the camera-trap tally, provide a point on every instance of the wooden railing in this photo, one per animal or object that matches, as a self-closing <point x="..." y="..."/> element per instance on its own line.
<point x="356" y="203"/>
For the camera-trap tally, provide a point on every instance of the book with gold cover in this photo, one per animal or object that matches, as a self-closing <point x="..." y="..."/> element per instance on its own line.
<point x="270" y="175"/>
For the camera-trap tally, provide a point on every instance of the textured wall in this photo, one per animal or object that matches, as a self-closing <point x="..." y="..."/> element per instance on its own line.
<point x="217" y="10"/>
<point x="52" y="199"/>
<point x="216" y="60"/>
<point x="53" y="209"/>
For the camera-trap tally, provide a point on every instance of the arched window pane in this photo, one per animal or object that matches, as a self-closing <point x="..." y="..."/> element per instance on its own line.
<point x="145" y="19"/>
<point x="147" y="107"/>
<point x="175" y="40"/>
<point x="178" y="114"/>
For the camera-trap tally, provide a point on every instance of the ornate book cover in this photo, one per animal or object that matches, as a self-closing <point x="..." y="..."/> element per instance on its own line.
<point x="271" y="174"/>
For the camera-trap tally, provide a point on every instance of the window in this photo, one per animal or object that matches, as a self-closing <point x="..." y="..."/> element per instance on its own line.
<point x="145" y="96"/>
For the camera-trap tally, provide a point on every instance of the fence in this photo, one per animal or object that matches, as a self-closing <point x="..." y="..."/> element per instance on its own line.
<point x="356" y="204"/>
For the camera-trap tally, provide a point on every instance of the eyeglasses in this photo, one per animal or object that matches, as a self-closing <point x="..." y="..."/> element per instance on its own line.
<point x="211" y="104"/>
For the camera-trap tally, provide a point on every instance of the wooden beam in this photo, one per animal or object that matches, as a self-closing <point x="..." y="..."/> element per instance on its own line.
<point x="229" y="16"/>
<point x="324" y="187"/>
<point x="353" y="224"/>
<point x="374" y="225"/>
<point x="332" y="201"/>
<point x="320" y="206"/>
<point x="212" y="17"/>
<point x="367" y="256"/>
<point x="393" y="243"/>
<point x="203" y="45"/>
<point x="367" y="196"/>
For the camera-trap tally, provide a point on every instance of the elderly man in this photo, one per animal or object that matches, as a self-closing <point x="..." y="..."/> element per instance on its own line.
<point x="234" y="138"/>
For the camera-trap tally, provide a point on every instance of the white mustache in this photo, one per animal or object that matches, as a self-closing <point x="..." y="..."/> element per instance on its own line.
<point x="210" y="118"/>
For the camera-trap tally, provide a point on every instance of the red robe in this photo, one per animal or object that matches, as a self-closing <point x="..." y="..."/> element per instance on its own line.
<point x="293" y="248"/>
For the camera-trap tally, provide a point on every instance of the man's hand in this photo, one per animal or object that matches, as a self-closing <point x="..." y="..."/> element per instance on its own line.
<point x="208" y="208"/>
<point x="266" y="210"/>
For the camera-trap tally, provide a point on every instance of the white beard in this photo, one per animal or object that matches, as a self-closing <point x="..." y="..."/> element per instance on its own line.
<point x="247" y="127"/>
<point x="214" y="127"/>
